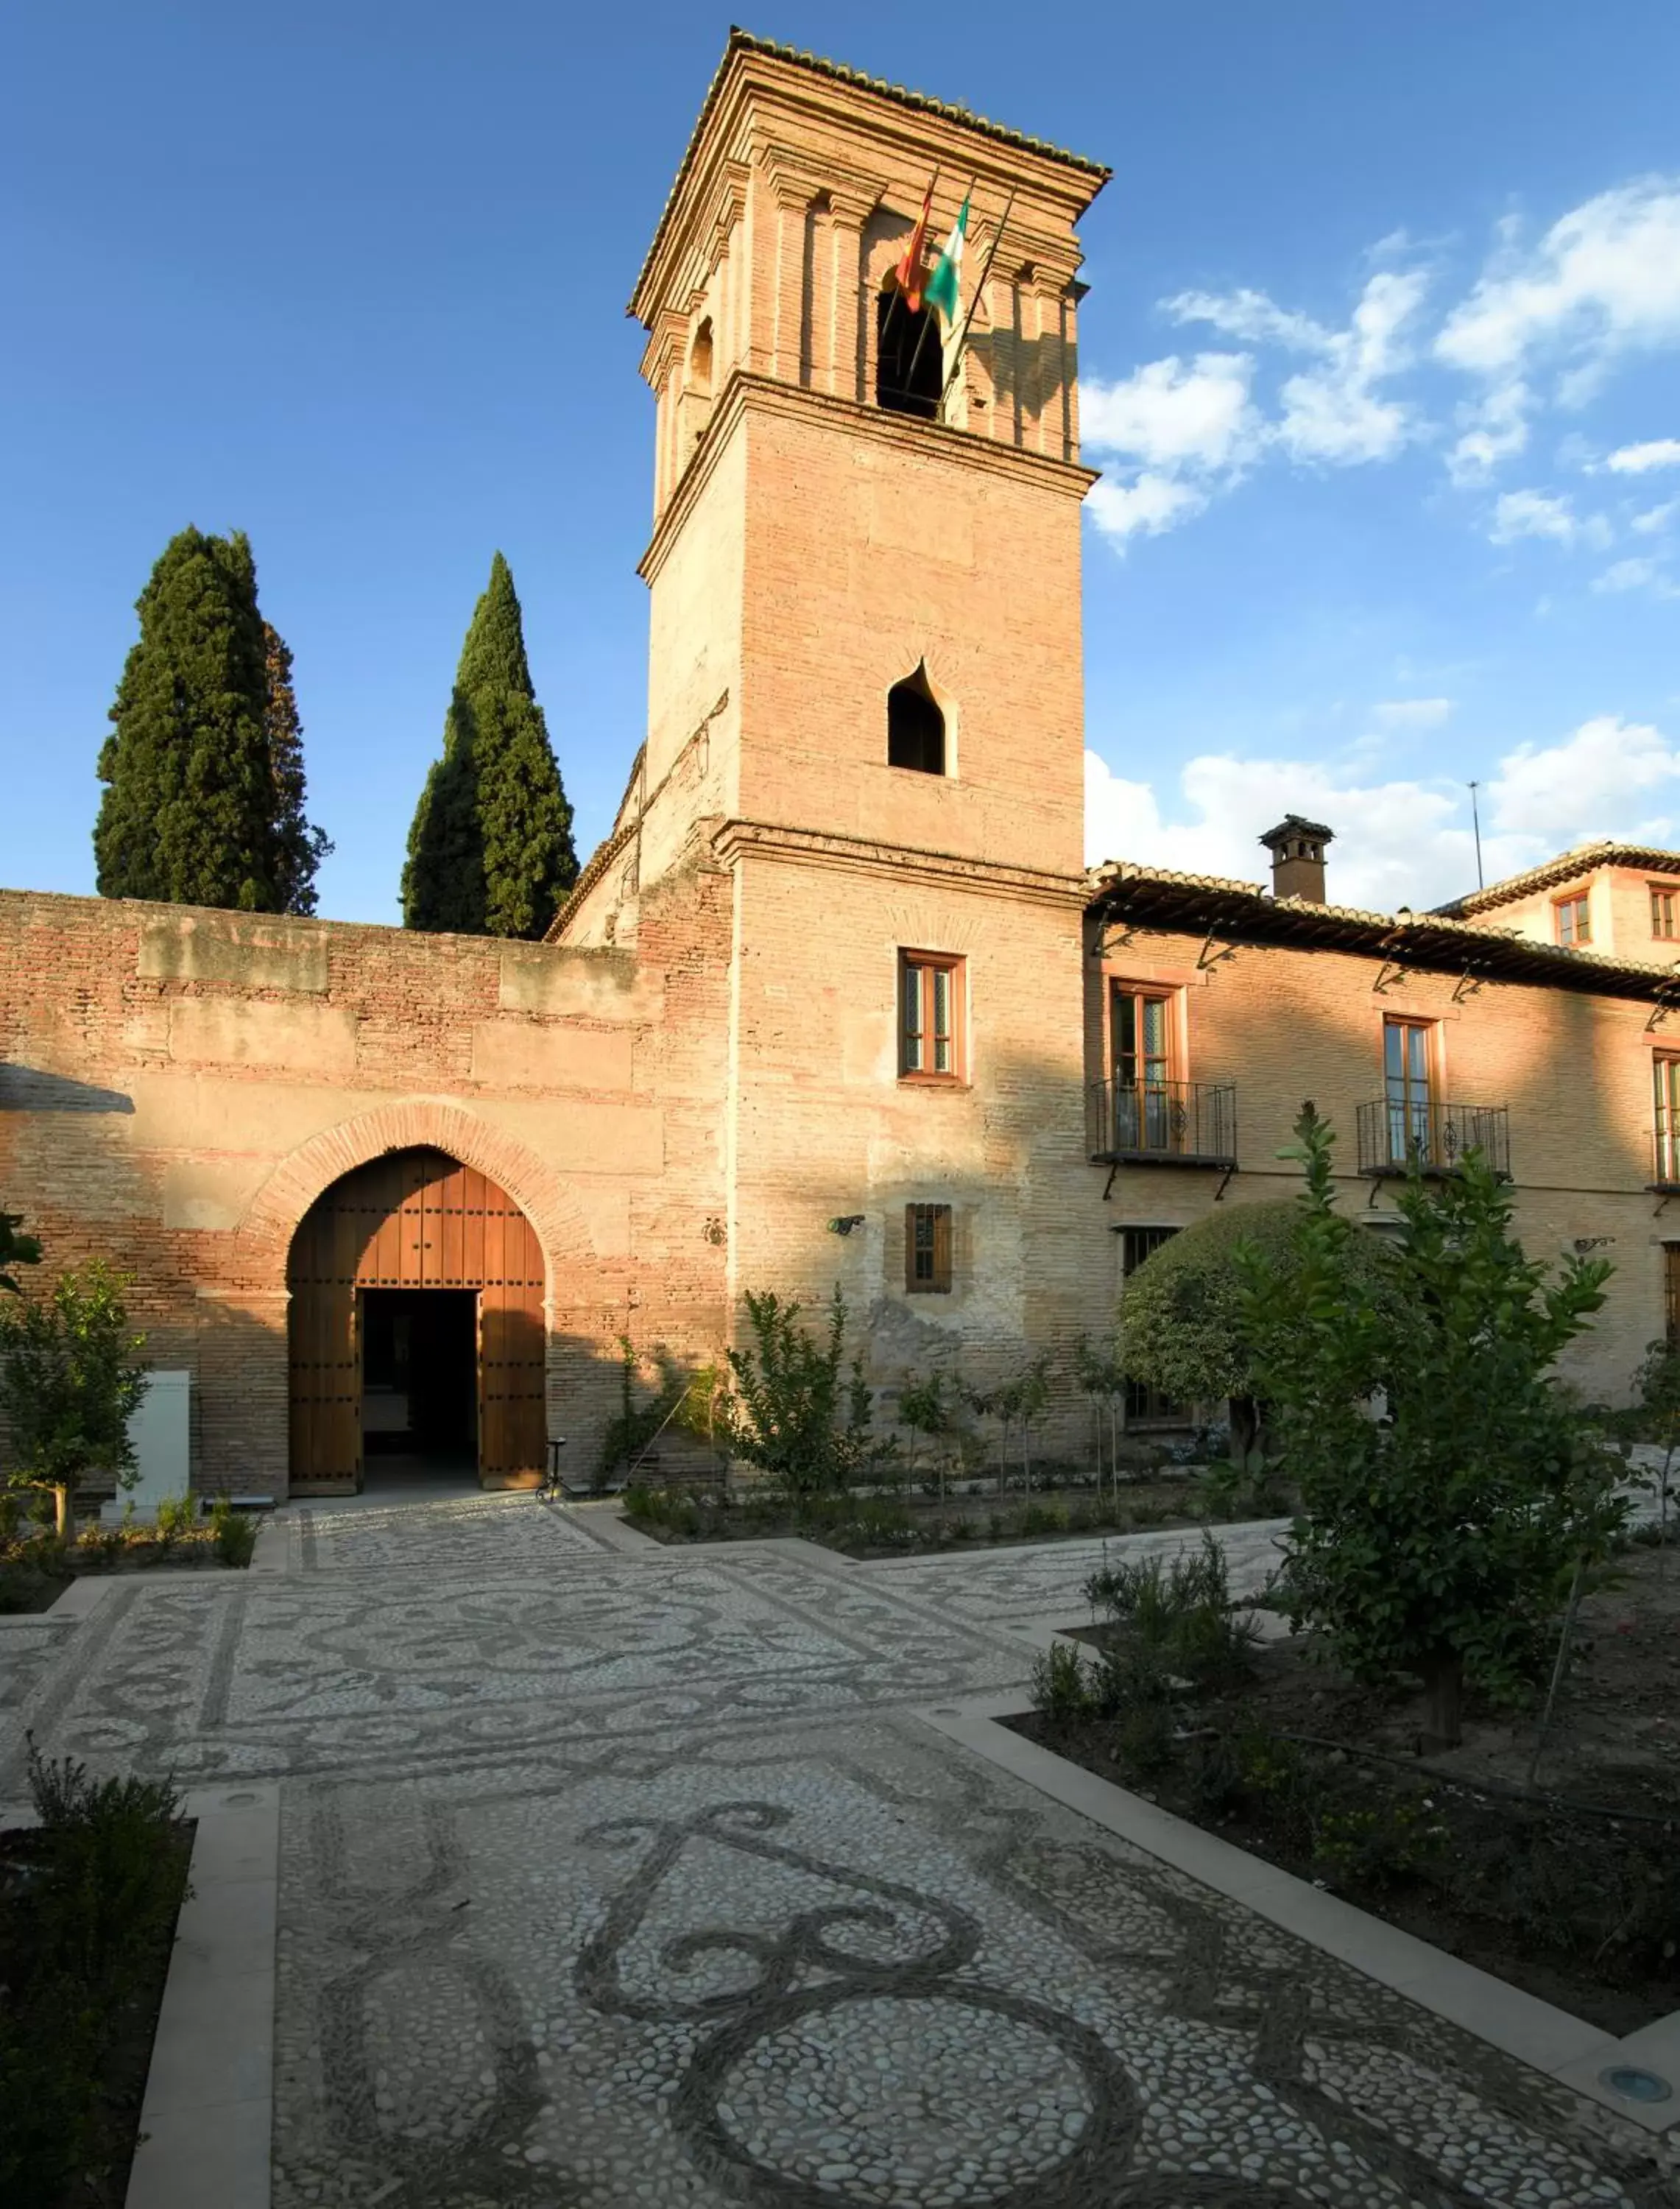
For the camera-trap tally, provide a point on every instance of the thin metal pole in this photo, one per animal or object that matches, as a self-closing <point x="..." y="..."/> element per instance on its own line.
<point x="1476" y="823"/>
<point x="962" y="336"/>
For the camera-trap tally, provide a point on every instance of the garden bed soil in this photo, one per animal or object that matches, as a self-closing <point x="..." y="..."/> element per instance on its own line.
<point x="1614" y="1744"/>
<point x="125" y="2058"/>
<point x="1145" y="1506"/>
<point x="27" y="1584"/>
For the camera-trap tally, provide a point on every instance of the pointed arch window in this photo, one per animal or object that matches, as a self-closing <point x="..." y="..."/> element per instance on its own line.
<point x="915" y="726"/>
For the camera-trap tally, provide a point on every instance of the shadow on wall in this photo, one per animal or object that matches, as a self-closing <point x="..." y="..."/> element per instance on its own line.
<point x="24" y="1089"/>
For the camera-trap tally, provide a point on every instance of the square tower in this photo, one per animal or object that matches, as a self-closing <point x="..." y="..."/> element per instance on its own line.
<point x="865" y="561"/>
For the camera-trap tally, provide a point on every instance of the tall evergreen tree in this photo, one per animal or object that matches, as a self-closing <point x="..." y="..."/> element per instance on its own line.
<point x="491" y="851"/>
<point x="192" y="810"/>
<point x="301" y="845"/>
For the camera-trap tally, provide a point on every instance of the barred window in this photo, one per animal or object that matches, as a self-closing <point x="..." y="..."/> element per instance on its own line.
<point x="927" y="1249"/>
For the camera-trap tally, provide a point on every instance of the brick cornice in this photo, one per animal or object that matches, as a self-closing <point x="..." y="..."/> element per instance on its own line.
<point x="735" y="839"/>
<point x="746" y="394"/>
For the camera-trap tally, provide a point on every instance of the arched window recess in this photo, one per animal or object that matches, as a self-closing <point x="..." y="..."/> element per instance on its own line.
<point x="915" y="724"/>
<point x="909" y="356"/>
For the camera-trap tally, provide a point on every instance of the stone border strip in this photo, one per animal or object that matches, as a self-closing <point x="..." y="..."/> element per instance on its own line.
<point x="1567" y="2049"/>
<point x="207" y="2124"/>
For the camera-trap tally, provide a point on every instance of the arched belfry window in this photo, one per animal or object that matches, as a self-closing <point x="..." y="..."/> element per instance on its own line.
<point x="915" y="726"/>
<point x="909" y="359"/>
<point x="699" y="361"/>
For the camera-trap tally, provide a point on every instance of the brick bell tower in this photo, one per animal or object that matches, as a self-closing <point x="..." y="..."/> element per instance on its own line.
<point x="818" y="539"/>
<point x="865" y="705"/>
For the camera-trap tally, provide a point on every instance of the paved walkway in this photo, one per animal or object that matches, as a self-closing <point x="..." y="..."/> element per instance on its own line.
<point x="619" y="1876"/>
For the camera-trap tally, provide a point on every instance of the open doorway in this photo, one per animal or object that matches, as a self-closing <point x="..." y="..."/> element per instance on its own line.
<point x="419" y="1384"/>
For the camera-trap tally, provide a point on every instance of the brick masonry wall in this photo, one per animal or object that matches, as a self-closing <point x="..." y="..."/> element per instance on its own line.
<point x="178" y="1087"/>
<point x="1575" y="1070"/>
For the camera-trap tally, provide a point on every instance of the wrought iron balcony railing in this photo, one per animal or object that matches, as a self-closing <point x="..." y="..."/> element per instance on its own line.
<point x="1395" y="1134"/>
<point x="1182" y="1124"/>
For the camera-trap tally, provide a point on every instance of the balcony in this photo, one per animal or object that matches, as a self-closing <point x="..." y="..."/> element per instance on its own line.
<point x="1396" y="1137"/>
<point x="1163" y="1123"/>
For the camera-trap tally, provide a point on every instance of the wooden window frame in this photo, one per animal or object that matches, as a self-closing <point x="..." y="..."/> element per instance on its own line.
<point x="923" y="966"/>
<point x="1580" y="902"/>
<point x="1401" y="1113"/>
<point x="1665" y="895"/>
<point x="1665" y="1118"/>
<point x="937" y="1219"/>
<point x="1121" y="990"/>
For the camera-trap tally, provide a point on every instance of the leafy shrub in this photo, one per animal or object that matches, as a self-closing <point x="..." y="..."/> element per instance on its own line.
<point x="1179" y="1611"/>
<point x="69" y="1384"/>
<point x="1062" y="1692"/>
<point x="1181" y="1314"/>
<point x="1440" y="1537"/>
<point x="1380" y="1845"/>
<point x="80" y="1934"/>
<point x="794" y="1409"/>
<point x="232" y="1536"/>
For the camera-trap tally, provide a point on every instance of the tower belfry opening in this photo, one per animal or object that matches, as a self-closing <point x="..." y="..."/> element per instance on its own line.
<point x="910" y="358"/>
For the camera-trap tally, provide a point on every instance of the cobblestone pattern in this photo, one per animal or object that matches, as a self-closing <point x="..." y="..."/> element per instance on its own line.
<point x="1049" y="1579"/>
<point x="613" y="1880"/>
<point x="809" y="1970"/>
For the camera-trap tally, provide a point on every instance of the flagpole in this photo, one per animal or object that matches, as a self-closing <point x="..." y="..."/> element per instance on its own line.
<point x="962" y="337"/>
<point x="922" y="334"/>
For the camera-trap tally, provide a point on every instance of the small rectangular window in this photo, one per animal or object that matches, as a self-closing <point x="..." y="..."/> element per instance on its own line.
<point x="927" y="1249"/>
<point x="931" y="1016"/>
<point x="1574" y="920"/>
<point x="1672" y="1294"/>
<point x="1665" y="911"/>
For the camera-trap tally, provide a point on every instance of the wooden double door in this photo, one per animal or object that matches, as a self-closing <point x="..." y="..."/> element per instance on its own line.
<point x="410" y="1222"/>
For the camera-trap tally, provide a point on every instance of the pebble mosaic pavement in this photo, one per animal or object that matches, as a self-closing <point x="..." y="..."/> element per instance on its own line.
<point x="614" y="1877"/>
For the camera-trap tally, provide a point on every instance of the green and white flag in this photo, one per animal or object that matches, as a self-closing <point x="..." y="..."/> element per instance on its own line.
<point x="942" y="289"/>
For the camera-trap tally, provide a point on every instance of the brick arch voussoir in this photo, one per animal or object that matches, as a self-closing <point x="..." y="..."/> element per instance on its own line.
<point x="419" y="1122"/>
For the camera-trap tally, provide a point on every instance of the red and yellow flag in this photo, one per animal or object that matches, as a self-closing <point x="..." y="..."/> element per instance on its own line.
<point x="910" y="272"/>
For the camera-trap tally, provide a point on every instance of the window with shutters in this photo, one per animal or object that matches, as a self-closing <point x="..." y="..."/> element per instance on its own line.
<point x="931" y="1017"/>
<point x="927" y="1249"/>
<point x="1665" y="911"/>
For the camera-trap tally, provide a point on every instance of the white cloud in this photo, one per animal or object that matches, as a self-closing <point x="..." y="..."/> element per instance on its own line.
<point x="1185" y="428"/>
<point x="1331" y="412"/>
<point x="1495" y="427"/>
<point x="1603" y="281"/>
<point x="1636" y="459"/>
<point x="1644" y="574"/>
<point x="1169" y="415"/>
<point x="1144" y="507"/>
<point x="1402" y="842"/>
<point x="1597" y="782"/>
<point x="1655" y="518"/>
<point x="1533" y="514"/>
<point x="1397" y="843"/>
<point x="1412" y="712"/>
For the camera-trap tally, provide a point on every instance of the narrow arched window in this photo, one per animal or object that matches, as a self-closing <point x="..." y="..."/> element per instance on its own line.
<point x="699" y="361"/>
<point x="915" y="726"/>
<point x="909" y="357"/>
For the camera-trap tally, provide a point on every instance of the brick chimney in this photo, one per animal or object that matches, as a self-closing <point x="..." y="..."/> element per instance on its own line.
<point x="1298" y="857"/>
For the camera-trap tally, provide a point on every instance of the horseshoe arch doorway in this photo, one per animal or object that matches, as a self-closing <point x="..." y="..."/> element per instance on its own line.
<point x="416" y="1337"/>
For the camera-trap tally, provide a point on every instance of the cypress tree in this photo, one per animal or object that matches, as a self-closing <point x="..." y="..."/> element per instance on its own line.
<point x="301" y="847"/>
<point x="188" y="813"/>
<point x="491" y="851"/>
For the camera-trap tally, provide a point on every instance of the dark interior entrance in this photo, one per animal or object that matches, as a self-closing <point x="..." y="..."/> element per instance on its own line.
<point x="419" y="1380"/>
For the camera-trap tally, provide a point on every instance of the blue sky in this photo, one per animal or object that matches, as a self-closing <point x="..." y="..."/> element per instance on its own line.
<point x="1382" y="363"/>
